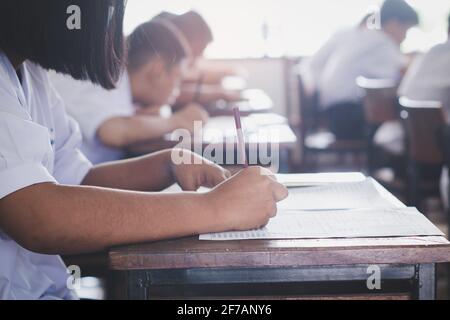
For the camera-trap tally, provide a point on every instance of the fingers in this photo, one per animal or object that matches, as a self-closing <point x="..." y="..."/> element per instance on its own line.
<point x="280" y="192"/>
<point x="189" y="186"/>
<point x="216" y="175"/>
<point x="273" y="210"/>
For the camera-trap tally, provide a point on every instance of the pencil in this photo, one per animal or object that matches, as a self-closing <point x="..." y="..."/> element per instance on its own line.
<point x="240" y="137"/>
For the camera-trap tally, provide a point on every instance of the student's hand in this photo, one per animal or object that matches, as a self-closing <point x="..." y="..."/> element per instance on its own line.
<point x="231" y="95"/>
<point x="248" y="200"/>
<point x="185" y="118"/>
<point x="200" y="173"/>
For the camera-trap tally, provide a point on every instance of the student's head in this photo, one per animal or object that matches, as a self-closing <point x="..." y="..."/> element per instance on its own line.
<point x="194" y="28"/>
<point x="397" y="17"/>
<point x="46" y="32"/>
<point x="155" y="63"/>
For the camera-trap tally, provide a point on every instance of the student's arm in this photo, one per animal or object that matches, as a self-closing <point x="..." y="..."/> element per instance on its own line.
<point x="54" y="219"/>
<point x="121" y="132"/>
<point x="157" y="172"/>
<point x="208" y="94"/>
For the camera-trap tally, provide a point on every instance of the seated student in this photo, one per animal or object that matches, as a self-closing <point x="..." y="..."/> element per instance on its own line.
<point x="368" y="53"/>
<point x="43" y="213"/>
<point x="109" y="119"/>
<point x="202" y="83"/>
<point x="311" y="69"/>
<point x="427" y="79"/>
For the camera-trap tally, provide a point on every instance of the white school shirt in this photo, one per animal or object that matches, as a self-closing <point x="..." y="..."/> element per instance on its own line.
<point x="312" y="68"/>
<point x="361" y="52"/>
<point x="38" y="144"/>
<point x="91" y="105"/>
<point x="429" y="76"/>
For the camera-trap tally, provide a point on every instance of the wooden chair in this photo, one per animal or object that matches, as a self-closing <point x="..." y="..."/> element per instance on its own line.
<point x="424" y="122"/>
<point x="381" y="106"/>
<point x="317" y="140"/>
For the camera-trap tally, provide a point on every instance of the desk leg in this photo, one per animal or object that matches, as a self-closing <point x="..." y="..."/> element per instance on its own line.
<point x="137" y="285"/>
<point x="426" y="281"/>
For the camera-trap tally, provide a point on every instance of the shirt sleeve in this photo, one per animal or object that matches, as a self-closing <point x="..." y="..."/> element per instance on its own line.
<point x="22" y="164"/>
<point x="91" y="105"/>
<point x="71" y="166"/>
<point x="385" y="62"/>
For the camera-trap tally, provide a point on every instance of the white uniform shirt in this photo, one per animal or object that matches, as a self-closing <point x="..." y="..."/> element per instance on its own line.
<point x="312" y="68"/>
<point x="361" y="52"/>
<point x="91" y="105"/>
<point x="429" y="76"/>
<point x="38" y="143"/>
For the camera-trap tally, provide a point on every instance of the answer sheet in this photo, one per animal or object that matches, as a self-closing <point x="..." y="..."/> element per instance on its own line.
<point x="339" y="196"/>
<point x="359" y="223"/>
<point x="318" y="179"/>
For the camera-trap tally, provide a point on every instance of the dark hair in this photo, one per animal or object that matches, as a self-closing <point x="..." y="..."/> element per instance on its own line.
<point x="38" y="31"/>
<point x="399" y="11"/>
<point x="193" y="27"/>
<point x="154" y="39"/>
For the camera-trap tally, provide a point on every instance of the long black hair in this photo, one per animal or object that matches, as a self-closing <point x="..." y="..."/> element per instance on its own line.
<point x="37" y="30"/>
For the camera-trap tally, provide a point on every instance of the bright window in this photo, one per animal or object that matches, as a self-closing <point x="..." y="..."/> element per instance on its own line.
<point x="295" y="27"/>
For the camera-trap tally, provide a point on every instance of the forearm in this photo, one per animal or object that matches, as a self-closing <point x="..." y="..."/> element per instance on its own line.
<point x="189" y="93"/>
<point x="55" y="219"/>
<point x="123" y="132"/>
<point x="149" y="173"/>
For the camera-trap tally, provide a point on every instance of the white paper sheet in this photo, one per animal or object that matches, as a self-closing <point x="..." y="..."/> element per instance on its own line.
<point x="318" y="179"/>
<point x="393" y="222"/>
<point x="358" y="195"/>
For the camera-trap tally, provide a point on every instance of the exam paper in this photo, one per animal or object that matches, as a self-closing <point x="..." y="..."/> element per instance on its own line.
<point x="357" y="195"/>
<point x="366" y="223"/>
<point x="318" y="179"/>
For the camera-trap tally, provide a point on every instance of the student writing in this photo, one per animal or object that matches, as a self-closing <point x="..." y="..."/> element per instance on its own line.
<point x="43" y="211"/>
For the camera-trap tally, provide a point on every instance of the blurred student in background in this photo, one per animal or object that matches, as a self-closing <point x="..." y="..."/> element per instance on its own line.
<point x="202" y="82"/>
<point x="371" y="53"/>
<point x="427" y="79"/>
<point x="311" y="69"/>
<point x="113" y="120"/>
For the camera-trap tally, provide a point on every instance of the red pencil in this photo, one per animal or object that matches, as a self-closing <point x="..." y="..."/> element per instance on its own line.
<point x="240" y="137"/>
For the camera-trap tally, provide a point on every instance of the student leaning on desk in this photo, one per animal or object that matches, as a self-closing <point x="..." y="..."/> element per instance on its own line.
<point x="113" y="120"/>
<point x="42" y="211"/>
<point x="202" y="83"/>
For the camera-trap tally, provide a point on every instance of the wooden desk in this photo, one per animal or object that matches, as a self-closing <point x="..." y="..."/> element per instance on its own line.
<point x="256" y="101"/>
<point x="282" y="269"/>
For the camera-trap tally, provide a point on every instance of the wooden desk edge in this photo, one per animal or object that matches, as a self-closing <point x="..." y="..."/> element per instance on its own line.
<point x="281" y="257"/>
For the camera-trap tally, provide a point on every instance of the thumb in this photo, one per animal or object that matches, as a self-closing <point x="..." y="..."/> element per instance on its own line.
<point x="280" y="192"/>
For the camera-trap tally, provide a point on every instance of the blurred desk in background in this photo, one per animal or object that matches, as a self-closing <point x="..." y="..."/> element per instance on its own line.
<point x="266" y="134"/>
<point x="254" y="101"/>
